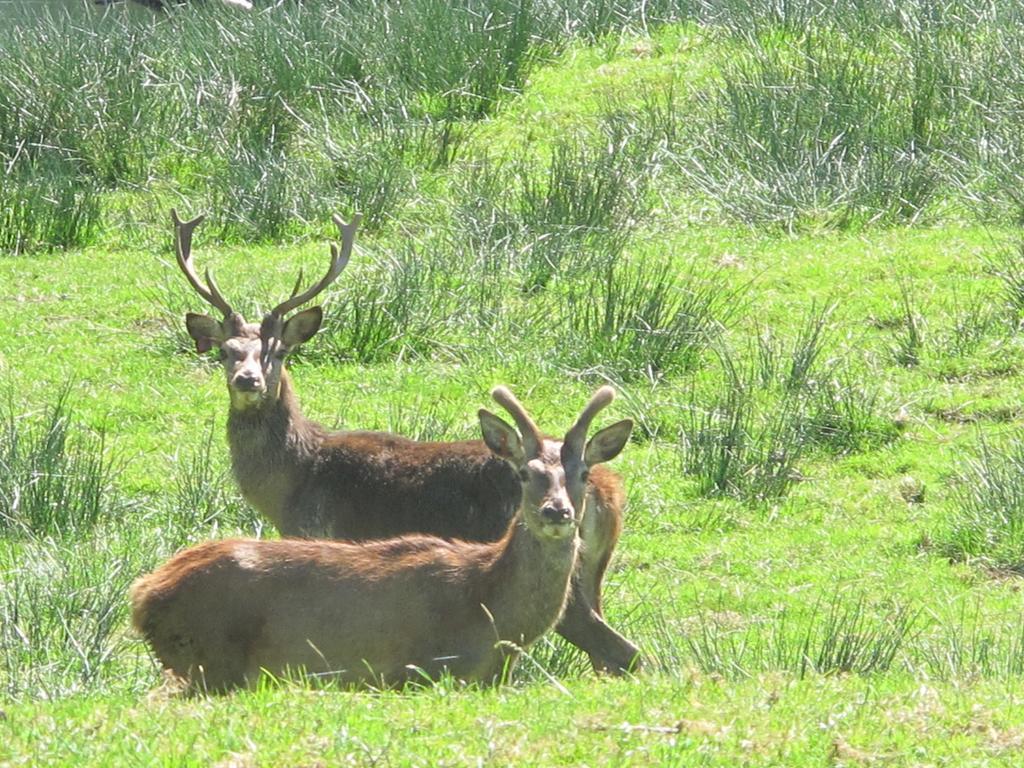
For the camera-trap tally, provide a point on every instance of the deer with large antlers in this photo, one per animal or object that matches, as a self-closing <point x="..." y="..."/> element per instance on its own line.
<point x="383" y="612"/>
<point x="355" y="485"/>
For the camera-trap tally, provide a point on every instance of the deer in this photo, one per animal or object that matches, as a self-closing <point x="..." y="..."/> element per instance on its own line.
<point x="386" y="612"/>
<point x="358" y="485"/>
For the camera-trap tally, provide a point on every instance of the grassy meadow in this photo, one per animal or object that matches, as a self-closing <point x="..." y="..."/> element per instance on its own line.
<point x="789" y="234"/>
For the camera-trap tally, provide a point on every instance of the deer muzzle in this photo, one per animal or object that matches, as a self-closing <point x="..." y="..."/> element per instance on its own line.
<point x="247" y="389"/>
<point x="557" y="522"/>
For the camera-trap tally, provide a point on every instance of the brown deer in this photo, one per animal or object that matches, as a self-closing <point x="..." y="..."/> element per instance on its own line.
<point x="383" y="612"/>
<point x="357" y="485"/>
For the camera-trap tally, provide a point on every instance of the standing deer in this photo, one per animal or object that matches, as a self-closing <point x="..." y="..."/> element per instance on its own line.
<point x="357" y="485"/>
<point x="384" y="612"/>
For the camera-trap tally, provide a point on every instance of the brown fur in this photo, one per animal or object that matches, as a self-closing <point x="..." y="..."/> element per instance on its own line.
<point x="369" y="485"/>
<point x="220" y="614"/>
<point x="378" y="612"/>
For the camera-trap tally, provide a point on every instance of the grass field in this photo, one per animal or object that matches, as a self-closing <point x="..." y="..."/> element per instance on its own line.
<point x="788" y="234"/>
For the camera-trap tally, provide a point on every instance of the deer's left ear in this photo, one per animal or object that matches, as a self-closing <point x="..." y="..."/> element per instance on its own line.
<point x="302" y="326"/>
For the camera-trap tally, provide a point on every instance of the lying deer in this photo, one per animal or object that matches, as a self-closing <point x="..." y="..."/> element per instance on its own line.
<point x="384" y="612"/>
<point x="313" y="483"/>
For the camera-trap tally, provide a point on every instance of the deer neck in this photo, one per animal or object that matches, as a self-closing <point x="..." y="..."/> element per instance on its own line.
<point x="527" y="584"/>
<point x="272" y="446"/>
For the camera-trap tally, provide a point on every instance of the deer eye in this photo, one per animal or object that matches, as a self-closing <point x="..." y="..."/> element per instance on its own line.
<point x="222" y="355"/>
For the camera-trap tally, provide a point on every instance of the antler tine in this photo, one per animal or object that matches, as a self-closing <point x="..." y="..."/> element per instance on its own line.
<point x="298" y="283"/>
<point x="339" y="260"/>
<point x="183" y="253"/>
<point x="527" y="429"/>
<point x="577" y="434"/>
<point x="218" y="298"/>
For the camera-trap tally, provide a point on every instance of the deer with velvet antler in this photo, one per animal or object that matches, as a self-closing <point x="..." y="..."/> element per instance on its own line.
<point x="220" y="614"/>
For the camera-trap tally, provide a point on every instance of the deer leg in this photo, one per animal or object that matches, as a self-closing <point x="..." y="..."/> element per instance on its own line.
<point x="582" y="623"/>
<point x="584" y="627"/>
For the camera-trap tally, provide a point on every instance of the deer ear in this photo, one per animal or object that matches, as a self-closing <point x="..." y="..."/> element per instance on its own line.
<point x="502" y="439"/>
<point x="302" y="326"/>
<point x="207" y="332"/>
<point x="606" y="444"/>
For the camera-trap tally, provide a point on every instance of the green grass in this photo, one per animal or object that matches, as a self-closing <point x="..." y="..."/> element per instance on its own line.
<point x="685" y="720"/>
<point x="681" y="720"/>
<point x="821" y="546"/>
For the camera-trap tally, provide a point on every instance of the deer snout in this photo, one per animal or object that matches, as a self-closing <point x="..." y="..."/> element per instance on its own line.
<point x="553" y="514"/>
<point x="246" y="381"/>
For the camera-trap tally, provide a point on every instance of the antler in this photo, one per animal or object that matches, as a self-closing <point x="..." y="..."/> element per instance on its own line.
<point x="183" y="252"/>
<point x="339" y="259"/>
<point x="577" y="434"/>
<point x="527" y="429"/>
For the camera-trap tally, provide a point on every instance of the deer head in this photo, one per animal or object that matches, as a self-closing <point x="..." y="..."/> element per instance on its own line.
<point x="253" y="354"/>
<point x="553" y="472"/>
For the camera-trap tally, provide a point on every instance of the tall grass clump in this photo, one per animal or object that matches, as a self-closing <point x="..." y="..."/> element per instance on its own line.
<point x="734" y="447"/>
<point x="371" y="174"/>
<point x="908" y="335"/>
<point x="829" y="128"/>
<point x="793" y="367"/>
<point x="263" y="194"/>
<point x="643" y="320"/>
<point x="742" y="18"/>
<point x="985" y="520"/>
<point x="836" y="634"/>
<point x="974" y="319"/>
<point x="205" y="499"/>
<point x="455" y="60"/>
<point x="844" y="413"/>
<point x="76" y="84"/>
<point x="425" y="420"/>
<point x="1007" y="264"/>
<point x="406" y="306"/>
<point x="63" y="615"/>
<point x="972" y="645"/>
<point x="840" y="410"/>
<point x="993" y="164"/>
<point x="745" y="434"/>
<point x="373" y="163"/>
<point x="975" y="338"/>
<point x="55" y="478"/>
<point x="568" y="213"/>
<point x="47" y="203"/>
<point x="975" y="328"/>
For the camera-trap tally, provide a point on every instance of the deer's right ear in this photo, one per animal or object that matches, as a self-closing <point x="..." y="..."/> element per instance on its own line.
<point x="502" y="439"/>
<point x="206" y="331"/>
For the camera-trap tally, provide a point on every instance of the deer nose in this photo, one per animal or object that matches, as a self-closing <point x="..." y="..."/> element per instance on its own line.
<point x="246" y="382"/>
<point x="556" y="515"/>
